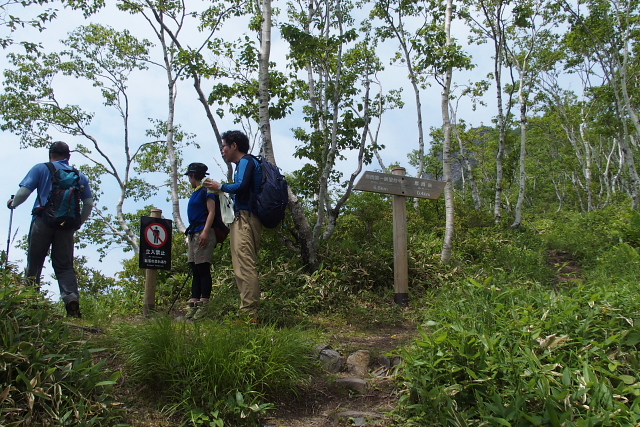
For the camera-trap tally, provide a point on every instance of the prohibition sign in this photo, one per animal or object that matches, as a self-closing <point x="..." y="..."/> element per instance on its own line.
<point x="156" y="235"/>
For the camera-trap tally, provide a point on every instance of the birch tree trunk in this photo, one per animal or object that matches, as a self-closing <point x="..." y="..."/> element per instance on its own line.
<point x="331" y="148"/>
<point x="194" y="69"/>
<point x="394" y="20"/>
<point x="466" y="164"/>
<point x="498" y="45"/>
<point x="522" y="182"/>
<point x="171" y="150"/>
<point x="447" y="245"/>
<point x="263" y="82"/>
<point x="613" y="55"/>
<point x="308" y="250"/>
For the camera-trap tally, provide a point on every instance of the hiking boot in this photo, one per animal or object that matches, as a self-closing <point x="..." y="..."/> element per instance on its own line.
<point x="192" y="309"/>
<point x="201" y="312"/>
<point x="73" y="309"/>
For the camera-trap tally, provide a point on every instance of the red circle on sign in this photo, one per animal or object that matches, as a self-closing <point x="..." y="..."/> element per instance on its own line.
<point x="156" y="235"/>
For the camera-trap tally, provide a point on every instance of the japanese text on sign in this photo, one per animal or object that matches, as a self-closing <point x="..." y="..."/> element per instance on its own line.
<point x="400" y="185"/>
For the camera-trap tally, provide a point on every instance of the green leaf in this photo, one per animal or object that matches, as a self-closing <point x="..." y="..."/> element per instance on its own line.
<point x="628" y="379"/>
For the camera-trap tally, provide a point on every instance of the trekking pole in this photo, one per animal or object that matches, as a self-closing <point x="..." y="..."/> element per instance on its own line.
<point x="179" y="292"/>
<point x="6" y="261"/>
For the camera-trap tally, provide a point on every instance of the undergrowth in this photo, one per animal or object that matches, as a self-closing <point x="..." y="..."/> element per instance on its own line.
<point x="47" y="374"/>
<point x="510" y="346"/>
<point x="503" y="341"/>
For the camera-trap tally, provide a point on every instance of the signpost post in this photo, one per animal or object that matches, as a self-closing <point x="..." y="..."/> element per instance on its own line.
<point x="400" y="187"/>
<point x="155" y="253"/>
<point x="400" y="256"/>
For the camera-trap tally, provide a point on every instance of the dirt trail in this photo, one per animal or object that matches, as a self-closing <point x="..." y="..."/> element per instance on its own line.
<point x="326" y="404"/>
<point x="566" y="266"/>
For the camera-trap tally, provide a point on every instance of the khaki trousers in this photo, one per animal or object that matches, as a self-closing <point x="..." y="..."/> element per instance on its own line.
<point x="245" y="242"/>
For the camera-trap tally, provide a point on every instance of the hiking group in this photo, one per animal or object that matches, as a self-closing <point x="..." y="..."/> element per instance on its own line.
<point x="64" y="202"/>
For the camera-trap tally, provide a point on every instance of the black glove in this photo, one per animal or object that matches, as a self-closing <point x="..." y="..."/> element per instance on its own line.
<point x="9" y="204"/>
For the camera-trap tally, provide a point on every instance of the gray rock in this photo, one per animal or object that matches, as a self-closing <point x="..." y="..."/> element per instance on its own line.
<point x="384" y="361"/>
<point x="353" y="383"/>
<point x="358" y="363"/>
<point x="332" y="360"/>
<point x="358" y="418"/>
<point x="321" y="347"/>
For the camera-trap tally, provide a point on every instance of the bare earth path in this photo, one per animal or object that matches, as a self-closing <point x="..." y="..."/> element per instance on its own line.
<point x="326" y="404"/>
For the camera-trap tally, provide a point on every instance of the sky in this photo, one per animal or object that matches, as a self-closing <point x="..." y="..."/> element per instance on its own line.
<point x="148" y="100"/>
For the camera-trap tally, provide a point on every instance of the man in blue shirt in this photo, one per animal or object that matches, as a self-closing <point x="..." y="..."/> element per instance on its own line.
<point x="42" y="237"/>
<point x="246" y="228"/>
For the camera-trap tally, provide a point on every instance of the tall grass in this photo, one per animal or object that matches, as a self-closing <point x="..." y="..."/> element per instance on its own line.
<point x="234" y="372"/>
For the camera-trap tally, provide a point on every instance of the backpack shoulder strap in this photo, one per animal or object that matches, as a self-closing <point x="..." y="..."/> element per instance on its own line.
<point x="51" y="168"/>
<point x="256" y="159"/>
<point x="205" y="196"/>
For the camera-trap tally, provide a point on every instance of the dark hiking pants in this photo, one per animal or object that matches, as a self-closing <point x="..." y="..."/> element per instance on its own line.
<point x="43" y="237"/>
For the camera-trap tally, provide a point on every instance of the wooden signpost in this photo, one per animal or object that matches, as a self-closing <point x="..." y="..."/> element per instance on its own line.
<point x="401" y="187"/>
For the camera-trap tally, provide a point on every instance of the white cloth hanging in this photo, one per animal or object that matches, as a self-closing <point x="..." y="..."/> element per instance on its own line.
<point x="226" y="208"/>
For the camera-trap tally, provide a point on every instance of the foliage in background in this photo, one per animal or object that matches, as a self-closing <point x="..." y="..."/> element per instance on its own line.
<point x="47" y="375"/>
<point x="222" y="372"/>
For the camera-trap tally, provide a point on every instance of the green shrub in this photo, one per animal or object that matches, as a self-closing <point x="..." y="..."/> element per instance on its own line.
<point x="588" y="235"/>
<point x="503" y="253"/>
<point x="47" y="375"/>
<point x="621" y="262"/>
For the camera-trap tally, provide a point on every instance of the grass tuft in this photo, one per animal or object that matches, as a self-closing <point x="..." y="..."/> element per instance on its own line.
<point x="205" y="368"/>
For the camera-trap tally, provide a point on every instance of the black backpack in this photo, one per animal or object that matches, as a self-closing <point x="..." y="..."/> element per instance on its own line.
<point x="219" y="227"/>
<point x="62" y="210"/>
<point x="271" y="202"/>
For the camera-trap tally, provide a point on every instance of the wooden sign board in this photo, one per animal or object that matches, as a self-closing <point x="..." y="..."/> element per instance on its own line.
<point x="400" y="185"/>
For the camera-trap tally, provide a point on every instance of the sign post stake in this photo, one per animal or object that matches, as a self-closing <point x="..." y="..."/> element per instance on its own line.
<point x="400" y="258"/>
<point x="151" y="279"/>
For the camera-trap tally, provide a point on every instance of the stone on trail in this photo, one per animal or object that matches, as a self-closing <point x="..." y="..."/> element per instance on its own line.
<point x="358" y="363"/>
<point x="331" y="359"/>
<point x="353" y="383"/>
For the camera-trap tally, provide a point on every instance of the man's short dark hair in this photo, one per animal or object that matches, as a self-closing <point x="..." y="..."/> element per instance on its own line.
<point x="60" y="148"/>
<point x="241" y="140"/>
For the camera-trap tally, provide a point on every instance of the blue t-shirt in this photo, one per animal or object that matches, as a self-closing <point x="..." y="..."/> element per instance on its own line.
<point x="39" y="178"/>
<point x="197" y="211"/>
<point x="247" y="180"/>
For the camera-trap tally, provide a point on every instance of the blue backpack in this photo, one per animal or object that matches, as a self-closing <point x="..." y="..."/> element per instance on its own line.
<point x="62" y="209"/>
<point x="271" y="202"/>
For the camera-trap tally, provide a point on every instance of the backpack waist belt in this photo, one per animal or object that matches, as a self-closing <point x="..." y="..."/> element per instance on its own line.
<point x="190" y="228"/>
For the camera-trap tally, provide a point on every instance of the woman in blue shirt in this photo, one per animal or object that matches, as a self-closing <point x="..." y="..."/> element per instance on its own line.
<point x="201" y="238"/>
